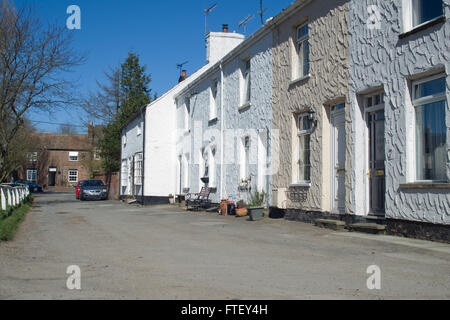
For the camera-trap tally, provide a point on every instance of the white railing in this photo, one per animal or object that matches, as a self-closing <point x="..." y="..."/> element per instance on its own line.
<point x="12" y="196"/>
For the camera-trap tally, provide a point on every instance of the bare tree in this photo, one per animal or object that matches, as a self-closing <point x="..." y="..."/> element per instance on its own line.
<point x="67" y="129"/>
<point x="33" y="61"/>
<point x="104" y="105"/>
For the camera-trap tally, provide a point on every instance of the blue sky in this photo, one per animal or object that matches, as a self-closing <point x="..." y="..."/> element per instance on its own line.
<point x="163" y="33"/>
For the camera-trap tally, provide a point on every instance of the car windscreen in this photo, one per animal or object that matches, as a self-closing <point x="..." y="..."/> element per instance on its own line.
<point x="93" y="183"/>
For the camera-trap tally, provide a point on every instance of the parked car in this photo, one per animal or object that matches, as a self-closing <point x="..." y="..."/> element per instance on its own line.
<point x="77" y="189"/>
<point x="93" y="190"/>
<point x="33" y="187"/>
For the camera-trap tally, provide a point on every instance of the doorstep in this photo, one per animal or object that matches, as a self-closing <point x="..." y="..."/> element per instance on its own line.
<point x="330" y="224"/>
<point x="371" y="228"/>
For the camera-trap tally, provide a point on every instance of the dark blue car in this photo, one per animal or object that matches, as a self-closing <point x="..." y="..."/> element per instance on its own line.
<point x="33" y="187"/>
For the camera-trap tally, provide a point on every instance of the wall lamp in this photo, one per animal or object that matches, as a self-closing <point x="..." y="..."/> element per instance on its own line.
<point x="312" y="118"/>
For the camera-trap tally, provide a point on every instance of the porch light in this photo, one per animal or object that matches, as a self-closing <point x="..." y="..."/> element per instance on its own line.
<point x="312" y="118"/>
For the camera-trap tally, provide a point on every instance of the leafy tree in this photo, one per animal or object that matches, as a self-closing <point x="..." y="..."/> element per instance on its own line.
<point x="135" y="93"/>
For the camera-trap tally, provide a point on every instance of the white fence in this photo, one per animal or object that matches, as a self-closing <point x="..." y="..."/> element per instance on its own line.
<point x="12" y="196"/>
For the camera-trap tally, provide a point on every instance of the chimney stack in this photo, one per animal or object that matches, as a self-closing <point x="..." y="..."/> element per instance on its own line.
<point x="225" y="28"/>
<point x="183" y="76"/>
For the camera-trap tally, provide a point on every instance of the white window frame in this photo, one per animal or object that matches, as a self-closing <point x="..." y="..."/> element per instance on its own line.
<point x="187" y="114"/>
<point x="186" y="171"/>
<point x="298" y="71"/>
<point x="303" y="133"/>
<point x="138" y="165"/>
<point x="74" y="156"/>
<point x="420" y="102"/>
<point x="70" y="175"/>
<point x="32" y="156"/>
<point x="124" y="173"/>
<point x="212" y="166"/>
<point x="32" y="172"/>
<point x="245" y="158"/>
<point x="97" y="155"/>
<point x="412" y="4"/>
<point x="246" y="87"/>
<point x="214" y="103"/>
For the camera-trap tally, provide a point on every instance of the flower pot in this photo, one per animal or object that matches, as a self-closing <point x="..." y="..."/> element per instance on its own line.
<point x="224" y="207"/>
<point x="255" y="213"/>
<point x="241" y="212"/>
<point x="171" y="200"/>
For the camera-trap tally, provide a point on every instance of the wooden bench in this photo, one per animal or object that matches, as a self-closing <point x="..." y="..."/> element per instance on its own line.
<point x="199" y="200"/>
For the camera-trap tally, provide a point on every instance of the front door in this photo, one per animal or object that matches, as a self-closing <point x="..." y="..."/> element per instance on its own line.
<point x="338" y="147"/>
<point x="376" y="174"/>
<point x="51" y="178"/>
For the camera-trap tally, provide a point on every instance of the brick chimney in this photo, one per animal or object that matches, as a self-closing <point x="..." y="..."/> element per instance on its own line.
<point x="219" y="44"/>
<point x="183" y="76"/>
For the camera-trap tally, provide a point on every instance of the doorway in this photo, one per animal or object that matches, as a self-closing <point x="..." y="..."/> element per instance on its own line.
<point x="376" y="154"/>
<point x="338" y="149"/>
<point x="52" y="177"/>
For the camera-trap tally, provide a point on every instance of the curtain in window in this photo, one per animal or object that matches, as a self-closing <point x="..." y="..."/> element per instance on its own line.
<point x="431" y="141"/>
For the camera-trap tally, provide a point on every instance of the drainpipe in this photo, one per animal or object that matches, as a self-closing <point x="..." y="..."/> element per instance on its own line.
<point x="222" y="129"/>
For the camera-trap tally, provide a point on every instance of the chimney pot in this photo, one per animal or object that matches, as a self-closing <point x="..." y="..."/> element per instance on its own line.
<point x="225" y="28"/>
<point x="183" y="76"/>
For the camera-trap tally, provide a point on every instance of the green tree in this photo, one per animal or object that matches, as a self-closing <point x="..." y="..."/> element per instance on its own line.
<point x="135" y="93"/>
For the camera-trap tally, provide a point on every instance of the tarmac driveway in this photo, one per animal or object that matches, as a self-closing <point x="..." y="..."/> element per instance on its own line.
<point x="129" y="252"/>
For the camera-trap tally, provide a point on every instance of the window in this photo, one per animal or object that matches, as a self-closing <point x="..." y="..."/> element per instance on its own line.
<point x="186" y="171"/>
<point x="425" y="10"/>
<point x="187" y="113"/>
<point x="302" y="51"/>
<point x="212" y="167"/>
<point x="73" y="176"/>
<point x="246" y="89"/>
<point x="124" y="173"/>
<point x="245" y="158"/>
<point x="32" y="175"/>
<point x="214" y="101"/>
<point x="304" y="140"/>
<point x="431" y="145"/>
<point x="73" y="156"/>
<point x="138" y="169"/>
<point x="32" y="156"/>
<point x="96" y="155"/>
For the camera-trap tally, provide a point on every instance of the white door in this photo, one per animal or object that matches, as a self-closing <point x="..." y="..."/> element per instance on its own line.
<point x="338" y="143"/>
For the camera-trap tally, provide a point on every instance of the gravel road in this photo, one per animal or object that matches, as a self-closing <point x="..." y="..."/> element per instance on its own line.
<point x="129" y="252"/>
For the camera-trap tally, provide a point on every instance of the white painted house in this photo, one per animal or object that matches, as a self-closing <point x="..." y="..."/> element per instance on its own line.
<point x="155" y="147"/>
<point x="224" y="121"/>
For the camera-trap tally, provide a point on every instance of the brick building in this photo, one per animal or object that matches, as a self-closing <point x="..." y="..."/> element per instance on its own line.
<point x="61" y="160"/>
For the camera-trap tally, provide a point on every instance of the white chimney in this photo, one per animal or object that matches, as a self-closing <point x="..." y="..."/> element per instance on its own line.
<point x="219" y="44"/>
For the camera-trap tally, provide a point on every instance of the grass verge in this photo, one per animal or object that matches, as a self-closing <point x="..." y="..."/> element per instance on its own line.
<point x="11" y="219"/>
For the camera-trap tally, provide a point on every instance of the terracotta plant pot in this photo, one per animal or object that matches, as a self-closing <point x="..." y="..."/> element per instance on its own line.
<point x="224" y="207"/>
<point x="241" y="212"/>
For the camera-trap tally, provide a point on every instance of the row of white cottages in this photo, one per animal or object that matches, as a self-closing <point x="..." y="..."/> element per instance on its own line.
<point x="335" y="109"/>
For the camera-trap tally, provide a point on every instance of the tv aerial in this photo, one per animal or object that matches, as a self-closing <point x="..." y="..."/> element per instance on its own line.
<point x="180" y="65"/>
<point x="244" y="22"/>
<point x="261" y="11"/>
<point x="207" y="11"/>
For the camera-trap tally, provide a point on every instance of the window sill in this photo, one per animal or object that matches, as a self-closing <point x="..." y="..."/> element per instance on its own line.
<point x="422" y="26"/>
<point x="295" y="81"/>
<point x="425" y="185"/>
<point x="245" y="106"/>
<point x="187" y="132"/>
<point x="302" y="185"/>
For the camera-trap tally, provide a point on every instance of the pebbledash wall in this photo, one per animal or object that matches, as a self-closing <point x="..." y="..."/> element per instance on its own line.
<point x="217" y="136"/>
<point x="325" y="86"/>
<point x="388" y="57"/>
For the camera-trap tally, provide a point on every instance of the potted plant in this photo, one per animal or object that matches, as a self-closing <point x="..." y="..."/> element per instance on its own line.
<point x="241" y="209"/>
<point x="171" y="199"/>
<point x="255" y="206"/>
